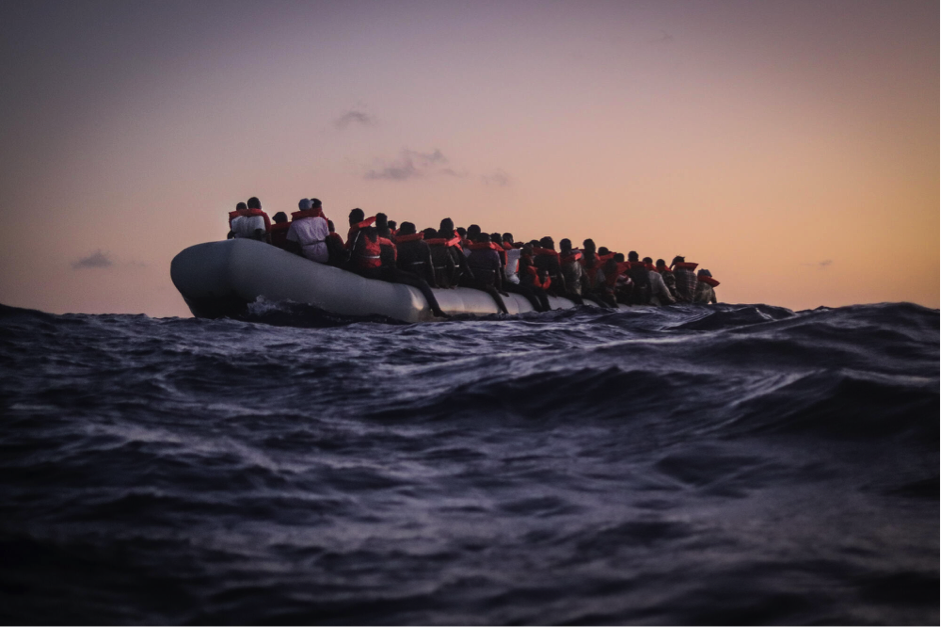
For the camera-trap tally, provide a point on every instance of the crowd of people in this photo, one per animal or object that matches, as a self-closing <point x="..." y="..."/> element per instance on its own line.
<point x="378" y="248"/>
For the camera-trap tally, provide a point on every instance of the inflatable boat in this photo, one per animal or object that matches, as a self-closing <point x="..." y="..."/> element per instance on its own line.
<point x="220" y="279"/>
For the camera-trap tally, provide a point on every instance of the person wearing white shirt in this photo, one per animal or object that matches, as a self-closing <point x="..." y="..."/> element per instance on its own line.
<point x="309" y="233"/>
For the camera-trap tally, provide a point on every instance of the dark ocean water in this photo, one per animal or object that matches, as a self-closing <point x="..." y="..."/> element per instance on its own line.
<point x="729" y="464"/>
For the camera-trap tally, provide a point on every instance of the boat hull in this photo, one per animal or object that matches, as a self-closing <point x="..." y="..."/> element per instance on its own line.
<point x="220" y="279"/>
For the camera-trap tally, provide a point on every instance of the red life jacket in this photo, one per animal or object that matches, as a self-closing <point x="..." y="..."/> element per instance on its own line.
<point x="708" y="280"/>
<point x="662" y="269"/>
<point x="440" y="241"/>
<point x="236" y="214"/>
<point x="650" y="267"/>
<point x="685" y="265"/>
<point x="356" y="227"/>
<point x="409" y="238"/>
<point x="279" y="234"/>
<point x="369" y="253"/>
<point x="250" y="212"/>
<point x="575" y="256"/>
<point x="310" y="213"/>
<point x="636" y="264"/>
<point x="337" y="237"/>
<point x="506" y="246"/>
<point x="544" y="285"/>
<point x="545" y="251"/>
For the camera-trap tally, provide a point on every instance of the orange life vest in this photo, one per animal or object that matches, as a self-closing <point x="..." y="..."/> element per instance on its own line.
<point x="369" y="253"/>
<point x="279" y="234"/>
<point x="409" y="238"/>
<point x="708" y="280"/>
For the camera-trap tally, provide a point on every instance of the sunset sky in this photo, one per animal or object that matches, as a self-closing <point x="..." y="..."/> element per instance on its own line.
<point x="790" y="147"/>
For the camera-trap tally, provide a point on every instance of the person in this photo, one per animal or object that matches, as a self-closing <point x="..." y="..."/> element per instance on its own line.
<point x="546" y="258"/>
<point x="572" y="270"/>
<point x="415" y="254"/>
<point x="336" y="250"/>
<point x="442" y="259"/>
<point x="308" y="233"/>
<point x="382" y="225"/>
<point x="393" y="227"/>
<point x="366" y="260"/>
<point x="685" y="279"/>
<point x="704" y="288"/>
<point x="252" y="223"/>
<point x="640" y="277"/>
<point x="448" y="233"/>
<point x="511" y="271"/>
<point x="279" y="230"/>
<point x="531" y="285"/>
<point x="241" y="209"/>
<point x="358" y="221"/>
<point x="317" y="206"/>
<point x="659" y="292"/>
<point x="486" y="270"/>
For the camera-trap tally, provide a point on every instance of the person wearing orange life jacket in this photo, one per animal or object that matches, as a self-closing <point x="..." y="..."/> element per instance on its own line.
<point x="308" y="234"/>
<point x="252" y="223"/>
<point x="448" y="233"/>
<point x="546" y="258"/>
<point x="279" y="230"/>
<point x="531" y="285"/>
<point x="414" y="255"/>
<point x="487" y="272"/>
<point x="241" y="209"/>
<point x="704" y="288"/>
<point x="659" y="292"/>
<point x="366" y="260"/>
<point x="669" y="279"/>
<point x="442" y="260"/>
<point x="358" y="221"/>
<point x="685" y="279"/>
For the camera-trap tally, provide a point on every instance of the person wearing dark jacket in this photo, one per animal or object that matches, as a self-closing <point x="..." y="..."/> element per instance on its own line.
<point x="415" y="254"/>
<point x="487" y="271"/>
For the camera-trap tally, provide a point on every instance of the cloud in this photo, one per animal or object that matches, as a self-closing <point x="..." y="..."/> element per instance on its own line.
<point x="354" y="116"/>
<point x="97" y="259"/>
<point x="826" y="263"/>
<point x="411" y="164"/>
<point x="664" y="38"/>
<point x="499" y="178"/>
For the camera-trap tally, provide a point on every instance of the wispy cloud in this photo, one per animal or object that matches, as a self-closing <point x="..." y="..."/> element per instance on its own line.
<point x="498" y="177"/>
<point x="664" y="38"/>
<point x="820" y="265"/>
<point x="97" y="259"/>
<point x="411" y="164"/>
<point x="354" y="117"/>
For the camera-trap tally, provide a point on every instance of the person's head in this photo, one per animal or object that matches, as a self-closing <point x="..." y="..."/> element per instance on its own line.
<point x="280" y="217"/>
<point x="430" y="233"/>
<point x="357" y="216"/>
<point x="472" y="232"/>
<point x="382" y="221"/>
<point x="677" y="260"/>
<point x="393" y="224"/>
<point x="619" y="257"/>
<point x="534" y="243"/>
<point x="461" y="231"/>
<point x="633" y="256"/>
<point x="304" y="204"/>
<point x="447" y="225"/>
<point x="528" y="249"/>
<point x="647" y="260"/>
<point x="241" y="206"/>
<point x="371" y="233"/>
<point x="547" y="243"/>
<point x="565" y="245"/>
<point x="254" y="203"/>
<point x="661" y="263"/>
<point x="483" y="238"/>
<point x="330" y="226"/>
<point x="315" y="203"/>
<point x="508" y="238"/>
<point x="589" y="245"/>
<point x="407" y="229"/>
<point x="704" y="272"/>
<point x="604" y="251"/>
<point x="496" y="238"/>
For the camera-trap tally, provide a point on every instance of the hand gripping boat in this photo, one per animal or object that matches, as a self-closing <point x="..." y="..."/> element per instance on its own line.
<point x="220" y="279"/>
